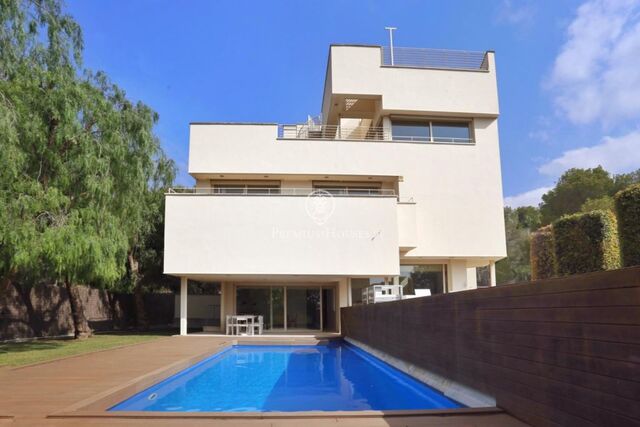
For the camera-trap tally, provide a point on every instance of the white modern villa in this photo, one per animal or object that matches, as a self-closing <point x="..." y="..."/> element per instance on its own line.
<point x="396" y="183"/>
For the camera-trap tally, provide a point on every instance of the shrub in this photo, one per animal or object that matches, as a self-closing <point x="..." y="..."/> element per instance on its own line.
<point x="628" y="209"/>
<point x="586" y="242"/>
<point x="602" y="203"/>
<point x="543" y="256"/>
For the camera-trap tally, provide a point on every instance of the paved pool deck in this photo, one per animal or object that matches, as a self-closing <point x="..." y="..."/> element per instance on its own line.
<point x="75" y="391"/>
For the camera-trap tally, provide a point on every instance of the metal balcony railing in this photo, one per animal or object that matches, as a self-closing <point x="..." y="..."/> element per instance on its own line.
<point x="277" y="191"/>
<point x="357" y="133"/>
<point x="434" y="58"/>
<point x="314" y="131"/>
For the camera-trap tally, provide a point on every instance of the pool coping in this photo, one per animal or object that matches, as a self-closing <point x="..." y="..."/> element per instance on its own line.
<point x="97" y="405"/>
<point x="273" y="415"/>
<point x="461" y="393"/>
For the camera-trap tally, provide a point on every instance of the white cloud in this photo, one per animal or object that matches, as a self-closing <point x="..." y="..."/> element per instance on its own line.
<point x="539" y="135"/>
<point x="529" y="198"/>
<point x="522" y="14"/>
<point x="596" y="76"/>
<point x="616" y="155"/>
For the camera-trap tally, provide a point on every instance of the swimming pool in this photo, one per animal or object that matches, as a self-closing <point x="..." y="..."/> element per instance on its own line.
<point x="334" y="377"/>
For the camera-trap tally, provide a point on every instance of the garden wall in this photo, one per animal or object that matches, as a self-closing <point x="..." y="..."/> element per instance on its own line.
<point x="553" y="352"/>
<point x="44" y="311"/>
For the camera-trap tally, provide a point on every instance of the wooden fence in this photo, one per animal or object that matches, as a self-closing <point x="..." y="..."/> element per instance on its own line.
<point x="556" y="352"/>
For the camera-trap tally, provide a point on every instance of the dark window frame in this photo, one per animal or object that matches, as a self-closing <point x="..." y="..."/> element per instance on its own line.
<point x="430" y="123"/>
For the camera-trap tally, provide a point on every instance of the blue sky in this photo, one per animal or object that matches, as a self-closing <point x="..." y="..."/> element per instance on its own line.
<point x="568" y="71"/>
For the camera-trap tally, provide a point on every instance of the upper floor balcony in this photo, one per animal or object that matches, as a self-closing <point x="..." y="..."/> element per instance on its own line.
<point x="421" y="131"/>
<point x="223" y="232"/>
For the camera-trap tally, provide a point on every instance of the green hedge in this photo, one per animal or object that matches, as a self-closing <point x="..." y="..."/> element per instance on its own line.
<point x="628" y="210"/>
<point x="586" y="242"/>
<point x="543" y="256"/>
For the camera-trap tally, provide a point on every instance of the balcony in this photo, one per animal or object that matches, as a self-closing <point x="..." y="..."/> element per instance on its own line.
<point x="280" y="191"/>
<point x="358" y="133"/>
<point x="333" y="132"/>
<point x="220" y="235"/>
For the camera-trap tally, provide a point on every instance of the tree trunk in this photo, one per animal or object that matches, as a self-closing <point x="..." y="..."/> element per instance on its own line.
<point x="142" y="322"/>
<point x="81" y="328"/>
<point x="6" y="283"/>
<point x="114" y="309"/>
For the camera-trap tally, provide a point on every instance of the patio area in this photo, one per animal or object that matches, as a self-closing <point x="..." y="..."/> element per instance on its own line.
<point x="43" y="394"/>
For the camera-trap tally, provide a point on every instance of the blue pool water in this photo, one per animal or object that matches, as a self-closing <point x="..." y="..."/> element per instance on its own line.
<point x="336" y="377"/>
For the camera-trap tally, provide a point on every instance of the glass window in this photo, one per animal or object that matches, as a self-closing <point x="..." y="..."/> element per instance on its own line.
<point x="240" y="188"/>
<point x="410" y="131"/>
<point x="263" y="189"/>
<point x="350" y="188"/>
<point x="451" y="132"/>
<point x="254" y="301"/>
<point x="228" y="189"/>
<point x="333" y="190"/>
<point x="422" y="277"/>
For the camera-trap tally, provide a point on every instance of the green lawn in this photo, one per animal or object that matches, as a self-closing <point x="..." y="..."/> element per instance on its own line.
<point x="24" y="353"/>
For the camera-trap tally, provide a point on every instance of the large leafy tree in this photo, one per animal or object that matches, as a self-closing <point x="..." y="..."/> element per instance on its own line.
<point x="79" y="160"/>
<point x="146" y="234"/>
<point x="573" y="189"/>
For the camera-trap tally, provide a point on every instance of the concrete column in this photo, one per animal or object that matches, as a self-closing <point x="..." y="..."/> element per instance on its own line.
<point x="472" y="278"/>
<point x="461" y="277"/>
<point x="492" y="272"/>
<point x="183" y="306"/>
<point x="386" y="125"/>
<point x="457" y="275"/>
<point x="223" y="317"/>
<point x="343" y="298"/>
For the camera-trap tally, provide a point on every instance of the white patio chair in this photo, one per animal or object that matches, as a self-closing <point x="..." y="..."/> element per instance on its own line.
<point x="257" y="325"/>
<point x="229" y="325"/>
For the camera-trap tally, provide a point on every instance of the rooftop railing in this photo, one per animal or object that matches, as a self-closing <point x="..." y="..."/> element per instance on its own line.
<point x="278" y="191"/>
<point x="434" y="58"/>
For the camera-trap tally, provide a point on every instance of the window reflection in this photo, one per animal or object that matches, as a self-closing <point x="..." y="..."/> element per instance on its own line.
<point x="411" y="131"/>
<point x="430" y="277"/>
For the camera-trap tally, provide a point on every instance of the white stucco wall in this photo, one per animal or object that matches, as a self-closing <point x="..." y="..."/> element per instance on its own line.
<point x="274" y="235"/>
<point x="357" y="70"/>
<point x="457" y="188"/>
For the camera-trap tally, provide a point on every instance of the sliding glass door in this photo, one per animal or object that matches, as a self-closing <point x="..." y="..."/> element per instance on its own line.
<point x="303" y="308"/>
<point x="255" y="301"/>
<point x="277" y="307"/>
<point x="288" y="307"/>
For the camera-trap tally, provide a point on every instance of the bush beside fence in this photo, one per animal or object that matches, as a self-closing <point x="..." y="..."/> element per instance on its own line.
<point x="586" y="242"/>
<point x="543" y="257"/>
<point x="628" y="209"/>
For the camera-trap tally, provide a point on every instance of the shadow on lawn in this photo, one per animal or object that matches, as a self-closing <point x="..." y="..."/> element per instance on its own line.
<point x="51" y="344"/>
<point x="19" y="347"/>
